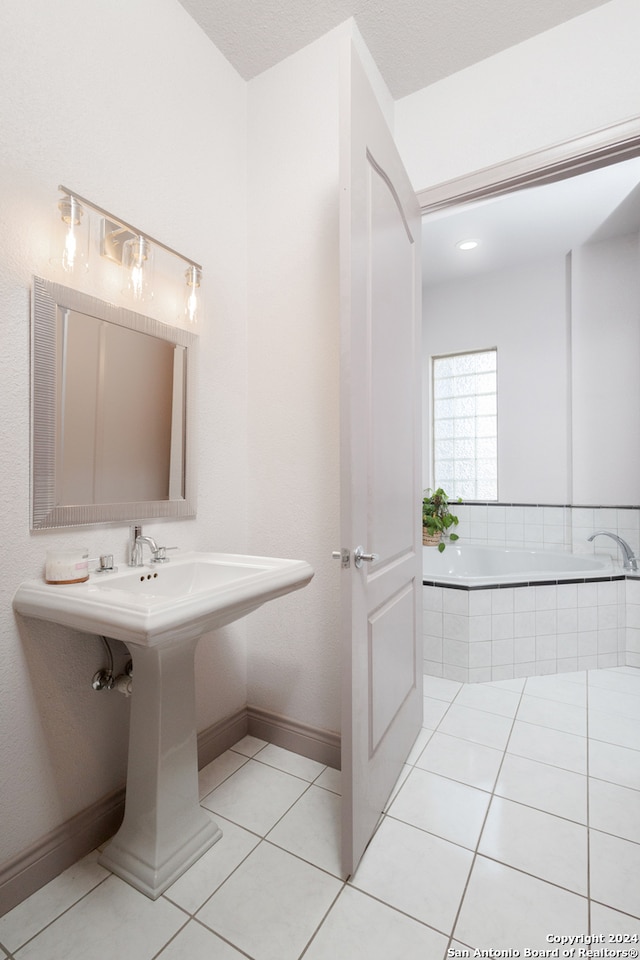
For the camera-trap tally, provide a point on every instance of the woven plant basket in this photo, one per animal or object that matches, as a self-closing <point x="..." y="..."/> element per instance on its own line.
<point x="431" y="539"/>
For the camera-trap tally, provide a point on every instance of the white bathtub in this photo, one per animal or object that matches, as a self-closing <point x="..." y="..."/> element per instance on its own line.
<point x="471" y="565"/>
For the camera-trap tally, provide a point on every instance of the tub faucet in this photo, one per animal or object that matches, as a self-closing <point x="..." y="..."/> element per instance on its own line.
<point x="630" y="562"/>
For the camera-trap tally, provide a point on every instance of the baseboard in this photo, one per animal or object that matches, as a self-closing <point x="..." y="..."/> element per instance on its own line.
<point x="74" y="839"/>
<point x="59" y="849"/>
<point x="311" y="742"/>
<point x="221" y="735"/>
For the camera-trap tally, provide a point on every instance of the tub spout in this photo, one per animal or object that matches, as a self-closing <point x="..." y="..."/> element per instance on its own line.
<point x="630" y="562"/>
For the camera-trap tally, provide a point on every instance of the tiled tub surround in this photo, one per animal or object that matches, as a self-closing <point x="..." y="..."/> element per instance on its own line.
<point x="495" y="634"/>
<point x="548" y="527"/>
<point x="506" y="632"/>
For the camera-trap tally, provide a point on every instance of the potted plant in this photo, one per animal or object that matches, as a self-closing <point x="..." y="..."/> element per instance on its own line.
<point x="437" y="518"/>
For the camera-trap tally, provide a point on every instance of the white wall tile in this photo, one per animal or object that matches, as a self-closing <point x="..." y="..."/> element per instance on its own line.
<point x="502" y="601"/>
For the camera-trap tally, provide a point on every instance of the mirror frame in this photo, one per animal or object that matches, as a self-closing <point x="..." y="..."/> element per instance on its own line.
<point x="47" y="297"/>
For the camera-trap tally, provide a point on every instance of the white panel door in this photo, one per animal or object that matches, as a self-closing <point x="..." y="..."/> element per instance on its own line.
<point x="380" y="462"/>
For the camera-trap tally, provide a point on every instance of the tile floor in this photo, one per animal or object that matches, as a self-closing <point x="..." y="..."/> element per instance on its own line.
<point x="516" y="818"/>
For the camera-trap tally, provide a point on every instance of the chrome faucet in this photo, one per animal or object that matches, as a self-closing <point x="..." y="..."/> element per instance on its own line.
<point x="137" y="542"/>
<point x="630" y="561"/>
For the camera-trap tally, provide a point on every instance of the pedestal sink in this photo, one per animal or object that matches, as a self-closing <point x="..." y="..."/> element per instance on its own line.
<point x="160" y="611"/>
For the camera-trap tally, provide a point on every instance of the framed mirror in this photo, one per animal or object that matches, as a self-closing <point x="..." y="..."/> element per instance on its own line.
<point x="112" y="412"/>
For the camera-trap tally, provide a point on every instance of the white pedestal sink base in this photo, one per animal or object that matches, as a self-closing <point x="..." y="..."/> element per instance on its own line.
<point x="164" y="829"/>
<point x="160" y="611"/>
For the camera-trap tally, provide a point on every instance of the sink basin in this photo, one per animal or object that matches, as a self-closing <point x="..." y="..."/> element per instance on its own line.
<point x="168" y="602"/>
<point x="160" y="611"/>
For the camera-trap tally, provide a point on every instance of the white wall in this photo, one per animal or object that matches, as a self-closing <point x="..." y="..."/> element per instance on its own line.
<point x="129" y="104"/>
<point x="605" y="362"/>
<point x="574" y="79"/>
<point x="520" y="310"/>
<point x="294" y="659"/>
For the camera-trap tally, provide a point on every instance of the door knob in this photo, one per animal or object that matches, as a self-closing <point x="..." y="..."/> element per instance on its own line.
<point x="359" y="557"/>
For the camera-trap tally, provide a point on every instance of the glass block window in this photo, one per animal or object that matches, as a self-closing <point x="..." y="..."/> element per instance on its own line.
<point x="465" y="425"/>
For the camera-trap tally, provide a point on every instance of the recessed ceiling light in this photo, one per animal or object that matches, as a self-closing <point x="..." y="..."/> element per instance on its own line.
<point x="467" y="244"/>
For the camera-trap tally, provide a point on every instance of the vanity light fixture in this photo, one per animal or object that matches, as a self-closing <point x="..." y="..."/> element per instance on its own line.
<point x="467" y="244"/>
<point x="123" y="244"/>
<point x="70" y="244"/>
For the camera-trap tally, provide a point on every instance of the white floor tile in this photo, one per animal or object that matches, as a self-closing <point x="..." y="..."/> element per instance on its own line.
<point x="311" y="830"/>
<point x="538" y="843"/>
<point x="290" y="762"/>
<point x="277" y="897"/>
<point x="557" y="688"/>
<point x="420" y="743"/>
<point x="271" y="906"/>
<point x="196" y="885"/>
<point x="616" y="764"/>
<point x="476" y="725"/>
<point x="614" y="729"/>
<point x="404" y="773"/>
<point x="615" y="868"/>
<point x="506" y="909"/>
<point x="462" y="760"/>
<point x="249" y="746"/>
<point x="490" y="698"/>
<point x="576" y="676"/>
<point x="562" y="716"/>
<point x="30" y="916"/>
<point x="440" y="689"/>
<point x="451" y="810"/>
<point x="113" y="914"/>
<point x="256" y="796"/>
<point x="614" y="680"/>
<point x="544" y="787"/>
<point x="549" y="746"/>
<point x="330" y="779"/>
<point x="195" y="942"/>
<point x="433" y="712"/>
<point x="614" y="702"/>
<point x="614" y="809"/>
<point x="604" y="920"/>
<point x="218" y="770"/>
<point x="415" y="872"/>
<point x="515" y="686"/>
<point x="358" y="926"/>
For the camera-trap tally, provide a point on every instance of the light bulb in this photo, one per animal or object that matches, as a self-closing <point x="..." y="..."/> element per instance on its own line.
<point x="137" y="263"/>
<point x="71" y="239"/>
<point x="192" y="304"/>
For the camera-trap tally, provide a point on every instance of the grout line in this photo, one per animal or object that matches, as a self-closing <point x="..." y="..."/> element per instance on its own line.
<point x="176" y="934"/>
<point x="475" y="852"/>
<point x="322" y="921"/>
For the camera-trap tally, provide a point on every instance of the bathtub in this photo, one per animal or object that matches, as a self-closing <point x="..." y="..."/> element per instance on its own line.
<point x="496" y="613"/>
<point x="473" y="566"/>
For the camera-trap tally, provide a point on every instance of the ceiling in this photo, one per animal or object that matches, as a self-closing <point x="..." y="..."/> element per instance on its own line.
<point x="532" y="223"/>
<point x="414" y="42"/>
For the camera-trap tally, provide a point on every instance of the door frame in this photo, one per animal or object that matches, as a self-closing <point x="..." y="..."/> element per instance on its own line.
<point x="619" y="141"/>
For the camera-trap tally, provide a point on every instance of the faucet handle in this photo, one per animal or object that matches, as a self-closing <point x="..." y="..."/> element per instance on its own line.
<point x="106" y="563"/>
<point x="160" y="556"/>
